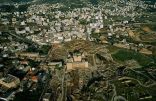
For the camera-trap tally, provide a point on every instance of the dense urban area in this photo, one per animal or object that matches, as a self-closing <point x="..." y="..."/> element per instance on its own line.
<point x="77" y="50"/>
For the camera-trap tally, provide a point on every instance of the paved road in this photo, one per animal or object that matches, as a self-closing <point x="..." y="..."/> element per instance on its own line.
<point x="119" y="98"/>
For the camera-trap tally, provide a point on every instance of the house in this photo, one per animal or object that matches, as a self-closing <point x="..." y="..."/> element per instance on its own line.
<point x="20" y="30"/>
<point x="13" y="20"/>
<point x="23" y="23"/>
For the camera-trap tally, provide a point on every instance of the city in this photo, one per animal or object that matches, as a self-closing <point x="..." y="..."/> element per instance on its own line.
<point x="84" y="50"/>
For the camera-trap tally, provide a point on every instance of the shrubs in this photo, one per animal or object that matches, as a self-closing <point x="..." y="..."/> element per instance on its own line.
<point x="124" y="55"/>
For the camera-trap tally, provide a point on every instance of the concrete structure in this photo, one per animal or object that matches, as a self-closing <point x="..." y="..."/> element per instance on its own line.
<point x="9" y="82"/>
<point x="76" y="62"/>
<point x="27" y="54"/>
<point x="77" y="65"/>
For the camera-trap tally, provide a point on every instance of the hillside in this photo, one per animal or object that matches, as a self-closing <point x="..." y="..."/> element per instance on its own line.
<point x="53" y="1"/>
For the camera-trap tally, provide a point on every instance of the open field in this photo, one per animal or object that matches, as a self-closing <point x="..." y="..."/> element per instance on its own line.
<point x="124" y="55"/>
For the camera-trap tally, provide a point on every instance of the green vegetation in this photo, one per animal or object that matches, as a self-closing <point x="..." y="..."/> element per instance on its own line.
<point x="113" y="49"/>
<point x="130" y="90"/>
<point x="28" y="95"/>
<point x="83" y="22"/>
<point x="3" y="1"/>
<point x="96" y="35"/>
<point x="151" y="26"/>
<point x="3" y="40"/>
<point x="138" y="76"/>
<point x="107" y="22"/>
<point x="94" y="2"/>
<point x="68" y="4"/>
<point x="58" y="67"/>
<point x="120" y="18"/>
<point x="124" y="55"/>
<point x="33" y="63"/>
<point x="43" y="50"/>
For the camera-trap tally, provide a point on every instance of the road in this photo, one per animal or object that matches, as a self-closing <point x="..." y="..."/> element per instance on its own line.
<point x="45" y="87"/>
<point x="21" y="38"/>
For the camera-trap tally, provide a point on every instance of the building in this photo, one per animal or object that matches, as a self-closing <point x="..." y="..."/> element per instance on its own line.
<point x="53" y="65"/>
<point x="9" y="82"/>
<point x="77" y="65"/>
<point x="28" y="55"/>
<point x="77" y="58"/>
<point x="76" y="62"/>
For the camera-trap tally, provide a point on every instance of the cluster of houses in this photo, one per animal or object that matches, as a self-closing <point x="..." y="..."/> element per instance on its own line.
<point x="45" y="25"/>
<point x="57" y="26"/>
